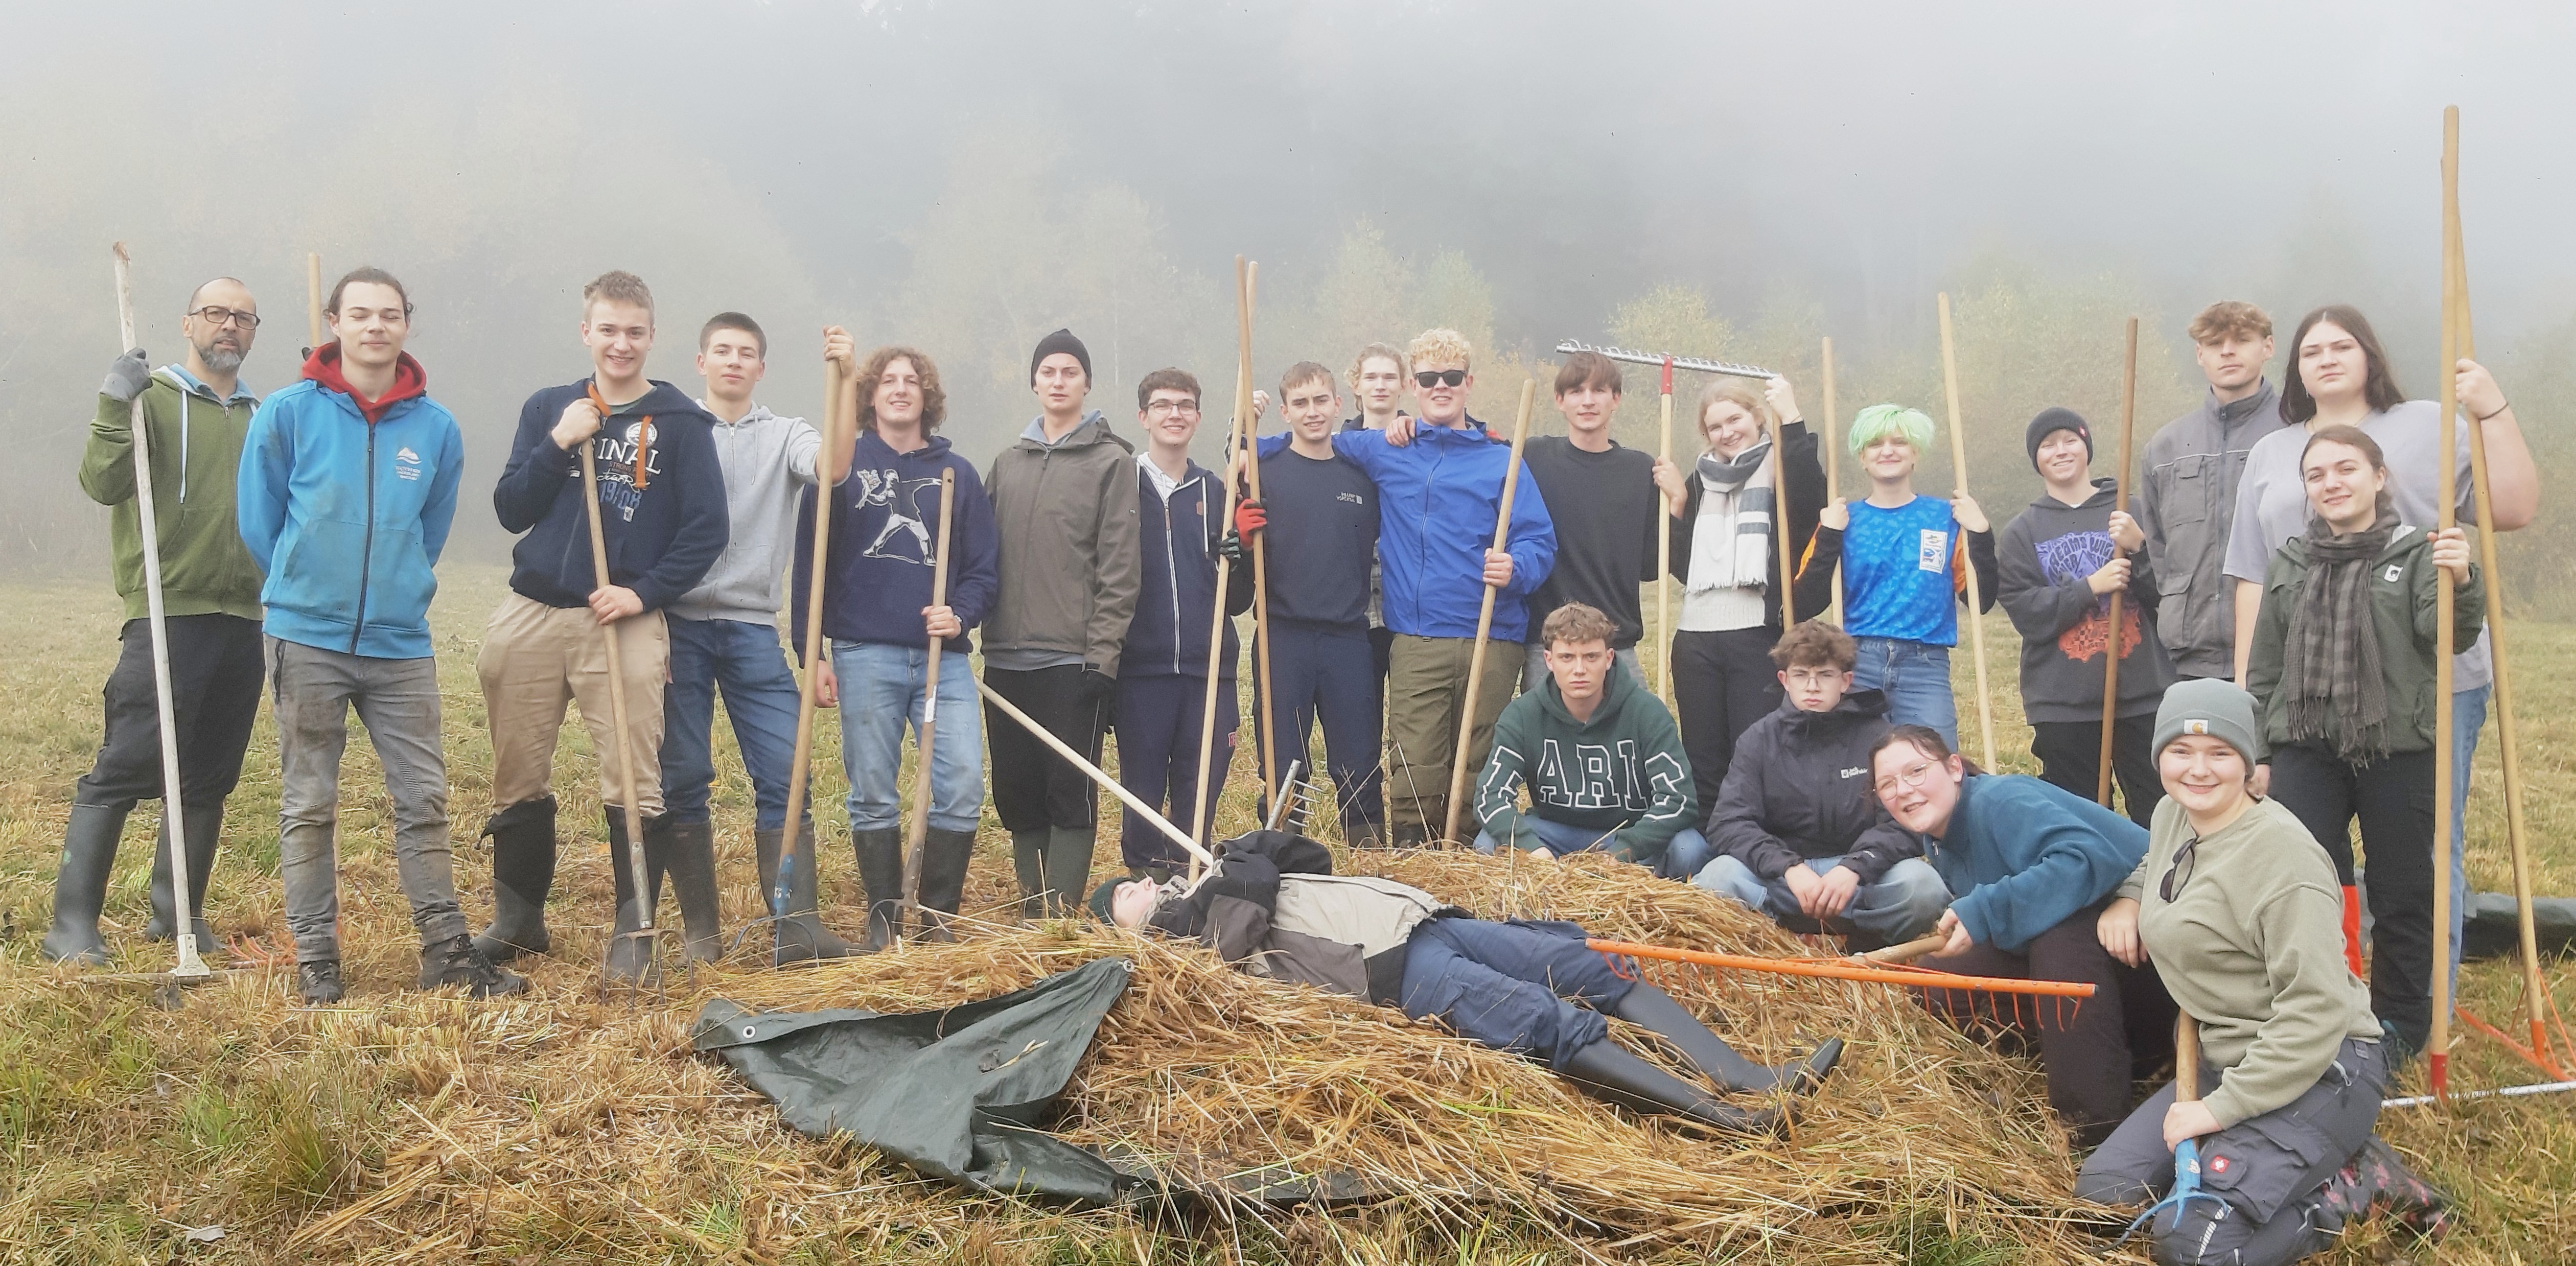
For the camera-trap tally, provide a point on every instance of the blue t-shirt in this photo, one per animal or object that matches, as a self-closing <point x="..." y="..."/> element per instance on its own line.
<point x="1901" y="572"/>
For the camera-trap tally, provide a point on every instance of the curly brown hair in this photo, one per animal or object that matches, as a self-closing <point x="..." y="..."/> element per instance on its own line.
<point x="934" y="401"/>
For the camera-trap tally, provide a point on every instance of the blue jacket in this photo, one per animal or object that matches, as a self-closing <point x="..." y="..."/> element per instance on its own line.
<point x="661" y="538"/>
<point x="885" y="527"/>
<point x="2022" y="857"/>
<point x="1177" y="542"/>
<point x="347" y="519"/>
<point x="1437" y="497"/>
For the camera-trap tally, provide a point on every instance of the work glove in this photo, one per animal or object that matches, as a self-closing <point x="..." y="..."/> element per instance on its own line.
<point x="1096" y="687"/>
<point x="127" y="378"/>
<point x="1250" y="517"/>
<point x="1230" y="547"/>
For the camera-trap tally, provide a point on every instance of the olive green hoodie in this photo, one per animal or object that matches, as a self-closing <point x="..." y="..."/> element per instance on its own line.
<point x="196" y="446"/>
<point x="1069" y="562"/>
<point x="2403" y="593"/>
<point x="1623" y="773"/>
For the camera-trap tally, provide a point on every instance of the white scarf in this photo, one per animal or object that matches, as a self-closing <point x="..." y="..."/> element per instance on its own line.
<point x="1739" y="558"/>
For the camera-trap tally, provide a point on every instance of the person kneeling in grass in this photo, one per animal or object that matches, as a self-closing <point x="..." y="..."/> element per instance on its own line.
<point x="1602" y="759"/>
<point x="1272" y="906"/>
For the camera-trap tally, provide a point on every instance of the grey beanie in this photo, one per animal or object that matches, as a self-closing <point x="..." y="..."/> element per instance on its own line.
<point x="2209" y="706"/>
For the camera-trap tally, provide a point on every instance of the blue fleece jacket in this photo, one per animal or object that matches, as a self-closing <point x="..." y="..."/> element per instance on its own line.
<point x="2021" y="857"/>
<point x="885" y="530"/>
<point x="1437" y="497"/>
<point x="1177" y="540"/>
<point x="347" y="520"/>
<point x="662" y="537"/>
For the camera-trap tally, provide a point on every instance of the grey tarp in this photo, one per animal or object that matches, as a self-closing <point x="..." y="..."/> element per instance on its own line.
<point x="960" y="1093"/>
<point x="2495" y="927"/>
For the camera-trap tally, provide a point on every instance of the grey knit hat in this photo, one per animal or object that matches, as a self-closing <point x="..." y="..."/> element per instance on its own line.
<point x="2212" y="707"/>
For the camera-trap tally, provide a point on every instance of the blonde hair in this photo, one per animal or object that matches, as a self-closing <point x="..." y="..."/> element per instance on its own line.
<point x="1440" y="347"/>
<point x="1735" y="391"/>
<point x="1379" y="351"/>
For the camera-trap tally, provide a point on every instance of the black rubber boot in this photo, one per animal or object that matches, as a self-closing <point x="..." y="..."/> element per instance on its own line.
<point x="1359" y="832"/>
<point x="1068" y="870"/>
<point x="80" y="884"/>
<point x="801" y="936"/>
<point x="1408" y="835"/>
<point x="880" y="856"/>
<point x="319" y="981"/>
<point x="523" y="871"/>
<point x="1605" y="1071"/>
<point x="1649" y="1007"/>
<point x="944" y="858"/>
<point x="686" y="851"/>
<point x="630" y="957"/>
<point x="1028" y="864"/>
<point x="455" y="961"/>
<point x="203" y="823"/>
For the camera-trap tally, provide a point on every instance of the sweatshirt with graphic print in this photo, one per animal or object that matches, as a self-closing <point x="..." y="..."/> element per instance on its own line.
<point x="661" y="499"/>
<point x="2045" y="561"/>
<point x="1622" y="773"/>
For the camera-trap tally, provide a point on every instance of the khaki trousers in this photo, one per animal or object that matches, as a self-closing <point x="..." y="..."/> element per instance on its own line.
<point x="1426" y="682"/>
<point x="536" y="658"/>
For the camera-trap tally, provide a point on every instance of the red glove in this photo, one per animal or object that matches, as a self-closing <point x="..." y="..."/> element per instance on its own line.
<point x="1249" y="518"/>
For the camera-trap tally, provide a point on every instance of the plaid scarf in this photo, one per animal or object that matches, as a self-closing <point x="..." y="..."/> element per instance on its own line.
<point x="1740" y="496"/>
<point x="2331" y="660"/>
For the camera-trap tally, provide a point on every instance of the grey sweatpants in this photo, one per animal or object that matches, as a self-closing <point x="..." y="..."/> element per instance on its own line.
<point x="2266" y="1170"/>
<point x="397" y="700"/>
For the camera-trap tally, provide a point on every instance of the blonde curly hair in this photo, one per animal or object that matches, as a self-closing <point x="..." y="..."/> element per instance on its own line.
<point x="1444" y="348"/>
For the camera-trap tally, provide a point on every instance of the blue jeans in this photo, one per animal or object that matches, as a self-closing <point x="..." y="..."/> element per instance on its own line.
<point x="1512" y="986"/>
<point x="1916" y="679"/>
<point x="2468" y="715"/>
<point x="1682" y="858"/>
<point x="1901" y="904"/>
<point x="882" y="689"/>
<point x="749" y="664"/>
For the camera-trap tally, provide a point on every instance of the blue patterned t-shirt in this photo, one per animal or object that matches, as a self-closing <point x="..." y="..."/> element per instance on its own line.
<point x="1902" y="570"/>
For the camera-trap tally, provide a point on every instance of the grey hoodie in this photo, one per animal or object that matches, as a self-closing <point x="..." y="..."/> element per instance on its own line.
<point x="767" y="461"/>
<point x="2185" y="505"/>
<point x="1069" y="561"/>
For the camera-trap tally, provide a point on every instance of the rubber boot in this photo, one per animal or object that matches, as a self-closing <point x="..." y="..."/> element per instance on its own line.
<point x="630" y="957"/>
<point x="801" y="936"/>
<point x="1358" y="831"/>
<point x="1651" y="1008"/>
<point x="523" y="870"/>
<point x="880" y="855"/>
<point x="686" y="851"/>
<point x="1605" y="1071"/>
<point x="1068" y="870"/>
<point x="1408" y="835"/>
<point x="455" y="961"/>
<point x="2352" y="931"/>
<point x="203" y="823"/>
<point x="80" y="884"/>
<point x="1028" y="862"/>
<point x="944" y="858"/>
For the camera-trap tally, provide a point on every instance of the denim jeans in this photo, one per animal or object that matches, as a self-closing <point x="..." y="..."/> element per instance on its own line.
<point x="397" y="700"/>
<point x="749" y="664"/>
<point x="882" y="689"/>
<point x="1682" y="858"/>
<point x="2468" y="714"/>
<point x="1901" y="904"/>
<point x="1916" y="678"/>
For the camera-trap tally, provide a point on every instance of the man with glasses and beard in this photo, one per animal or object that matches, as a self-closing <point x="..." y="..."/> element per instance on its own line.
<point x="197" y="413"/>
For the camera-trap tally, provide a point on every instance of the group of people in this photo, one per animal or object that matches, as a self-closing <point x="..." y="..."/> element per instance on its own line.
<point x="2276" y="642"/>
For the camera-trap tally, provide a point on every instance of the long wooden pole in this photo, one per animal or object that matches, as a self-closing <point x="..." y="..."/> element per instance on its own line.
<point x="1663" y="565"/>
<point x="1270" y="772"/>
<point x="835" y="380"/>
<point x="2120" y="501"/>
<point x="183" y="920"/>
<point x="313" y="298"/>
<point x="1237" y="438"/>
<point x="1833" y="462"/>
<point x="917" y="835"/>
<point x="1199" y="855"/>
<point x="617" y="711"/>
<point x="2535" y="996"/>
<point x="1959" y="464"/>
<point x="2446" y="515"/>
<point x="1485" y="616"/>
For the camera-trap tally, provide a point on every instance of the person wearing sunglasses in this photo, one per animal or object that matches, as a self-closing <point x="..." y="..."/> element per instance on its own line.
<point x="2030" y="868"/>
<point x="196" y="414"/>
<point x="2240" y="913"/>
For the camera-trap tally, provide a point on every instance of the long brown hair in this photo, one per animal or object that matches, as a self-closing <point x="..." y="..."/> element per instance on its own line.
<point x="934" y="402"/>
<point x="2378" y="384"/>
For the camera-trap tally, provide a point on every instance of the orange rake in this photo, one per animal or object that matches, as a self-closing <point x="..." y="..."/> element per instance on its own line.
<point x="1957" y="998"/>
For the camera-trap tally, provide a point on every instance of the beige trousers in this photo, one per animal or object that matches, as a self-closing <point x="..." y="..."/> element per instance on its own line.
<point x="536" y="658"/>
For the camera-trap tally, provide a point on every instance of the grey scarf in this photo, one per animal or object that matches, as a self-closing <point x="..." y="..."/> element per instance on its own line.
<point x="1739" y="497"/>
<point x="2331" y="658"/>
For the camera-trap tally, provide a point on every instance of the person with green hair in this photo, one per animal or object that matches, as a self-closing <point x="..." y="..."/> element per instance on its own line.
<point x="1904" y="568"/>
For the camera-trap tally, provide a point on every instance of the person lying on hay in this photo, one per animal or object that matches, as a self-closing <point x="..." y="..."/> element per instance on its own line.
<point x="1272" y="906"/>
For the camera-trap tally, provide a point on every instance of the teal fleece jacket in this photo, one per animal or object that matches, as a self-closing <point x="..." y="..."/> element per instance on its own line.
<point x="2021" y="857"/>
<point x="1622" y="773"/>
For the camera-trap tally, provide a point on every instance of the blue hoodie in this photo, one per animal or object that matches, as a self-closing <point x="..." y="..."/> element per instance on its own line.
<point x="885" y="527"/>
<point x="660" y="542"/>
<point x="2023" y="856"/>
<point x="1177" y="540"/>
<point x="347" y="516"/>
<point x="1437" y="497"/>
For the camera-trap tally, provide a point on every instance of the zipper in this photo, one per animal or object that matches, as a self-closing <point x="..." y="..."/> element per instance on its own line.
<point x="1172" y="570"/>
<point x="366" y="550"/>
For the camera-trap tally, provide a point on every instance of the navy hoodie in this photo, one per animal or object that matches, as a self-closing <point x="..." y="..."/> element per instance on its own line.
<point x="661" y="538"/>
<point x="1177" y="540"/>
<point x="885" y="529"/>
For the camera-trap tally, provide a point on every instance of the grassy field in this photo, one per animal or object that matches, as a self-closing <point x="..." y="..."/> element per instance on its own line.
<point x="126" y="1125"/>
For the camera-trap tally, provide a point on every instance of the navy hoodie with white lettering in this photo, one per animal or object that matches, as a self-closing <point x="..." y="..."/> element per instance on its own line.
<point x="885" y="534"/>
<point x="664" y="527"/>
<point x="1177" y="538"/>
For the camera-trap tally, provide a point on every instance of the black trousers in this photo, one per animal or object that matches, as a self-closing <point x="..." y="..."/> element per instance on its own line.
<point x="1158" y="759"/>
<point x="217" y="666"/>
<point x="1723" y="682"/>
<point x="2070" y="757"/>
<point x="1033" y="788"/>
<point x="2393" y="798"/>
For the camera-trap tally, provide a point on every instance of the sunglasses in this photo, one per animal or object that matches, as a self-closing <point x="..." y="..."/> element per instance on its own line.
<point x="1440" y="378"/>
<point x="2180" y="873"/>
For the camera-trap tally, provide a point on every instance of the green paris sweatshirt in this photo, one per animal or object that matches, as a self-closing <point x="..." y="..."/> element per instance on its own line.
<point x="196" y="446"/>
<point x="1622" y="773"/>
<point x="2251" y="945"/>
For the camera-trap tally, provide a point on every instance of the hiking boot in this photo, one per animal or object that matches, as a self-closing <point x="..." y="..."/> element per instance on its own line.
<point x="944" y="858"/>
<point x="319" y="981"/>
<point x="203" y="824"/>
<point x="800" y="936"/>
<point x="455" y="961"/>
<point x="630" y="956"/>
<point x="80" y="885"/>
<point x="687" y="852"/>
<point x="523" y="869"/>
<point x="881" y="873"/>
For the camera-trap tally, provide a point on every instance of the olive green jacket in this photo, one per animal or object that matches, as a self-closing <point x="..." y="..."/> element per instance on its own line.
<point x="196" y="446"/>
<point x="2404" y="586"/>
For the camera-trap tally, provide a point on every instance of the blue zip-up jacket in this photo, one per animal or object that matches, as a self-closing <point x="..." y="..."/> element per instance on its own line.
<point x="885" y="529"/>
<point x="2022" y="856"/>
<point x="346" y="517"/>
<point x="1436" y="502"/>
<point x="1177" y="541"/>
<point x="661" y="540"/>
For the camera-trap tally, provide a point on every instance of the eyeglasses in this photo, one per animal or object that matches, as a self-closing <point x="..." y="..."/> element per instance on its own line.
<point x="217" y="316"/>
<point x="1440" y="378"/>
<point x="2184" y="860"/>
<point x="1912" y="775"/>
<point x="1161" y="407"/>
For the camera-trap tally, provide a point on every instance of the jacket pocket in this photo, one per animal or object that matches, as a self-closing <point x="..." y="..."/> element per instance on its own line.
<point x="320" y="568"/>
<point x="399" y="581"/>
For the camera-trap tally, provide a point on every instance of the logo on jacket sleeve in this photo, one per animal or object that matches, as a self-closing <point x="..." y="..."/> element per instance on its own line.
<point x="406" y="463"/>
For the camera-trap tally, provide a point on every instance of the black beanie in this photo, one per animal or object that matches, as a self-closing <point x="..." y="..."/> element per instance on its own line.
<point x="2049" y="422"/>
<point x="1060" y="341"/>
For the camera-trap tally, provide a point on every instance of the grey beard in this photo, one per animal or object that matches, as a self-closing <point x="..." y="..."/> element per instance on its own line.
<point x="222" y="360"/>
